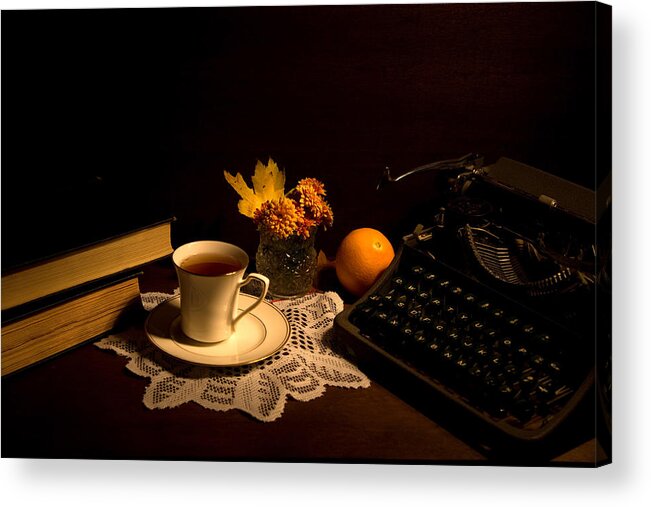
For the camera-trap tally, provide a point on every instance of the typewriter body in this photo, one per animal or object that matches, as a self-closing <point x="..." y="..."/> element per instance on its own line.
<point x="488" y="315"/>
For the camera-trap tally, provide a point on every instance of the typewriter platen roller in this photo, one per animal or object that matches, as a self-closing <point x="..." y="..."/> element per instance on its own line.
<point x="489" y="305"/>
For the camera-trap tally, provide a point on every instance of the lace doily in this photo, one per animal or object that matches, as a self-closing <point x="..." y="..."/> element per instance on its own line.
<point x="301" y="369"/>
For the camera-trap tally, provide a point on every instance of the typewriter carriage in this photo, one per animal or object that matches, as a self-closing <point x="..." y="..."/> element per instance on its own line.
<point x="512" y="229"/>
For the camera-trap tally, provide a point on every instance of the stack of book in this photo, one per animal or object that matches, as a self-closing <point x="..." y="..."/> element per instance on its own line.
<point x="75" y="289"/>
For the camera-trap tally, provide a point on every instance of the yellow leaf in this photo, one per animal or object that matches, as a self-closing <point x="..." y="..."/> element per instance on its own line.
<point x="268" y="181"/>
<point x="247" y="208"/>
<point x="268" y="185"/>
<point x="250" y="201"/>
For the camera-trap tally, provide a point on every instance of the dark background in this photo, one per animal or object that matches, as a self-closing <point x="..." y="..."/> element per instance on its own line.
<point x="157" y="103"/>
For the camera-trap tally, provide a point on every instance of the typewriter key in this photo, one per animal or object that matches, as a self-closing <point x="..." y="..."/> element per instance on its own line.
<point x="417" y="270"/>
<point x="430" y="278"/>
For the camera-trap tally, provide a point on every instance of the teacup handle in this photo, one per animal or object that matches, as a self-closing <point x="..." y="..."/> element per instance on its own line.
<point x="265" y="283"/>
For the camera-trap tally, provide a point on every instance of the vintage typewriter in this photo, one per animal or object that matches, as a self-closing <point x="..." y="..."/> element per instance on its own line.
<point x="489" y="310"/>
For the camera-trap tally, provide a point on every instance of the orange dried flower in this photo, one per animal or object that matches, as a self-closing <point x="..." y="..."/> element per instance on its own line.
<point x="299" y="212"/>
<point x="309" y="193"/>
<point x="281" y="217"/>
<point x="311" y="185"/>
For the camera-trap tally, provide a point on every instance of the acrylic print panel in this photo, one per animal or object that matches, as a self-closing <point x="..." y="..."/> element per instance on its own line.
<point x="337" y="93"/>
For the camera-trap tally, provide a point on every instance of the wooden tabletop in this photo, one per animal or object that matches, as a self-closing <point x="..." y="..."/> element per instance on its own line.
<point x="86" y="404"/>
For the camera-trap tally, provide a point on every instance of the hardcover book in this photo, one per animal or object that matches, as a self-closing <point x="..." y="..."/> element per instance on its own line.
<point x="73" y="233"/>
<point x="34" y="332"/>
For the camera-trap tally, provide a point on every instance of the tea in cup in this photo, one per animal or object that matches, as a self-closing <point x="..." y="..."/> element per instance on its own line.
<point x="210" y="275"/>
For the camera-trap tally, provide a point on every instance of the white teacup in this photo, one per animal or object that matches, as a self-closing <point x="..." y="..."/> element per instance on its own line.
<point x="210" y="275"/>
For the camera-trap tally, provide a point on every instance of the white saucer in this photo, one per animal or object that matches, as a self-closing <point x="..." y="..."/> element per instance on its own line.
<point x="258" y="335"/>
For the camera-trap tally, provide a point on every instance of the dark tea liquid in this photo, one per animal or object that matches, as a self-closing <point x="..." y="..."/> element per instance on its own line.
<point x="210" y="265"/>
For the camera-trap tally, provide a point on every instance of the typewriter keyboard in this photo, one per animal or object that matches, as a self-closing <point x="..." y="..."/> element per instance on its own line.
<point x="491" y="355"/>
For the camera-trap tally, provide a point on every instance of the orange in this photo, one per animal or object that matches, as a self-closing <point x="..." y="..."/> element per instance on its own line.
<point x="362" y="257"/>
